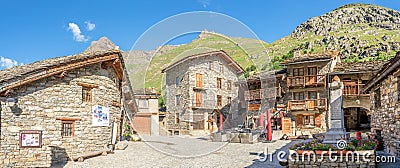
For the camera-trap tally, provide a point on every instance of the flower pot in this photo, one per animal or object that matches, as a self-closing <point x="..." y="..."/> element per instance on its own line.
<point x="320" y="152"/>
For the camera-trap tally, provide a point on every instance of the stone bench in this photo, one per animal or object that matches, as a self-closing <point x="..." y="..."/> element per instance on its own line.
<point x="81" y="158"/>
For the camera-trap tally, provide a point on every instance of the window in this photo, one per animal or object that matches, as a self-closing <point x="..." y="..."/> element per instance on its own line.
<point x="199" y="80"/>
<point x="219" y="100"/>
<point x="298" y="95"/>
<point x="229" y="85"/>
<point x="219" y="83"/>
<point x="229" y="100"/>
<point x="178" y="81"/>
<point x="143" y="103"/>
<point x="312" y="95"/>
<point x="308" y="120"/>
<point x="377" y="98"/>
<point x="298" y="72"/>
<point x="312" y="70"/>
<point x="199" y="99"/>
<point x="221" y="68"/>
<point x="86" y="94"/>
<point x="210" y="64"/>
<point x="67" y="129"/>
<point x="176" y="118"/>
<point x="216" y="65"/>
<point x="177" y="100"/>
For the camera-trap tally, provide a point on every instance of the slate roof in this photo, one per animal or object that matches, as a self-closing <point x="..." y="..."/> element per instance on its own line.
<point x="39" y="66"/>
<point x="318" y="56"/>
<point x="371" y="66"/>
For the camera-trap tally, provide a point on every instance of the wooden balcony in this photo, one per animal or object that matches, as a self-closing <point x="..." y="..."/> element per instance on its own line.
<point x="259" y="94"/>
<point x="314" y="104"/>
<point x="304" y="81"/>
<point x="352" y="88"/>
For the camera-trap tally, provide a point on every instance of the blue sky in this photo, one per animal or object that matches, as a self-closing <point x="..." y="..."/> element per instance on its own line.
<point x="37" y="30"/>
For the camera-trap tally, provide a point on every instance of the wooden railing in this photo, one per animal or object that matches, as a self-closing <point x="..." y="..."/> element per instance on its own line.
<point x="312" y="104"/>
<point x="352" y="87"/>
<point x="308" y="80"/>
<point x="259" y="94"/>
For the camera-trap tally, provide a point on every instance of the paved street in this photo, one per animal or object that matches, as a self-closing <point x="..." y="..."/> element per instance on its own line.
<point x="181" y="151"/>
<point x="187" y="151"/>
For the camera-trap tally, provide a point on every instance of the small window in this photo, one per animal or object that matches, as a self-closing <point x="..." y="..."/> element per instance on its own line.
<point x="178" y="81"/>
<point x="298" y="72"/>
<point x="219" y="83"/>
<point x="143" y="103"/>
<point x="229" y="100"/>
<point x="219" y="100"/>
<point x="176" y="118"/>
<point x="199" y="80"/>
<point x="298" y="95"/>
<point x="177" y="100"/>
<point x="308" y="120"/>
<point x="312" y="95"/>
<point x="210" y="64"/>
<point x="86" y="94"/>
<point x="377" y="98"/>
<point x="67" y="129"/>
<point x="229" y="85"/>
<point x="221" y="68"/>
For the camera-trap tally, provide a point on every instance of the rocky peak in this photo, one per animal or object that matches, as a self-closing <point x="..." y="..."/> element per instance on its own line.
<point x="355" y="16"/>
<point x="102" y="44"/>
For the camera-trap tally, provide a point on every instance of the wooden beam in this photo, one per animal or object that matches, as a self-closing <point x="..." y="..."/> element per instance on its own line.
<point x="62" y="74"/>
<point x="87" y="85"/>
<point x="68" y="118"/>
<point x="6" y="93"/>
<point x="118" y="69"/>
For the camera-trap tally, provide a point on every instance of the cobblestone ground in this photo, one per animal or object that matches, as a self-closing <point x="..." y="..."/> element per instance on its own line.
<point x="184" y="152"/>
<point x="181" y="151"/>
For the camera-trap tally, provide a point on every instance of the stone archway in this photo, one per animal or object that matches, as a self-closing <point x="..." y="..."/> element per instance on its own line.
<point x="356" y="118"/>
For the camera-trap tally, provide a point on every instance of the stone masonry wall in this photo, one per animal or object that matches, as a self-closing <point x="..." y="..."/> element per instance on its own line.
<point x="38" y="105"/>
<point x="387" y="115"/>
<point x="187" y="72"/>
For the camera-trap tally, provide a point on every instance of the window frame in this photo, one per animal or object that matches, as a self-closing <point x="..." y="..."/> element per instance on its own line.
<point x="296" y="71"/>
<point x="219" y="83"/>
<point x="87" y="94"/>
<point x="219" y="100"/>
<point x="72" y="133"/>
<point x="297" y="94"/>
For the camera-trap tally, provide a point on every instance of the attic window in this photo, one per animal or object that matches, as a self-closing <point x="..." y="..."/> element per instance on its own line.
<point x="86" y="94"/>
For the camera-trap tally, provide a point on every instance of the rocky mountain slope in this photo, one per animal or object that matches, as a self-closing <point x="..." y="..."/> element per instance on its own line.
<point x="360" y="32"/>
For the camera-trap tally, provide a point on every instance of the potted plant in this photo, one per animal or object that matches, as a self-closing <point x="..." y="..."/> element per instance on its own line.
<point x="320" y="148"/>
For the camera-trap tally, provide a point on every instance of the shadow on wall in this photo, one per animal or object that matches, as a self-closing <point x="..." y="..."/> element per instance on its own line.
<point x="59" y="156"/>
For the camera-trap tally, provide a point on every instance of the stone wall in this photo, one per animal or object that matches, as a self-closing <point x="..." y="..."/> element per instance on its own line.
<point x="334" y="161"/>
<point x="386" y="116"/>
<point x="38" y="105"/>
<point x="186" y="72"/>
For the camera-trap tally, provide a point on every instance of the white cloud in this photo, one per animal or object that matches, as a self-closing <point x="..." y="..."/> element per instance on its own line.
<point x="205" y="3"/>
<point x="76" y="31"/>
<point x="8" y="63"/>
<point x="90" y="26"/>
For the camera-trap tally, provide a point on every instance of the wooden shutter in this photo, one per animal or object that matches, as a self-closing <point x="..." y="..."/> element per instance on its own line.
<point x="198" y="99"/>
<point x="299" y="120"/>
<point x="318" y="120"/>
<point x="199" y="80"/>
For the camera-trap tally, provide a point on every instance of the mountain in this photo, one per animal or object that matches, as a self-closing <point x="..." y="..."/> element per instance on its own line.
<point x="361" y="32"/>
<point x="102" y="44"/>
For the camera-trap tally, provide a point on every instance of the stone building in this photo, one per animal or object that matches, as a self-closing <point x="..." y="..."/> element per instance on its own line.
<point x="146" y="120"/>
<point x="59" y="108"/>
<point x="356" y="103"/>
<point x="384" y="91"/>
<point x="307" y="92"/>
<point x="200" y="92"/>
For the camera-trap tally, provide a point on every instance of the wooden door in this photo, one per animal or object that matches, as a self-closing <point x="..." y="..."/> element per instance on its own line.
<point x="199" y="80"/>
<point x="299" y="120"/>
<point x="312" y="96"/>
<point x="199" y="99"/>
<point x="286" y="126"/>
